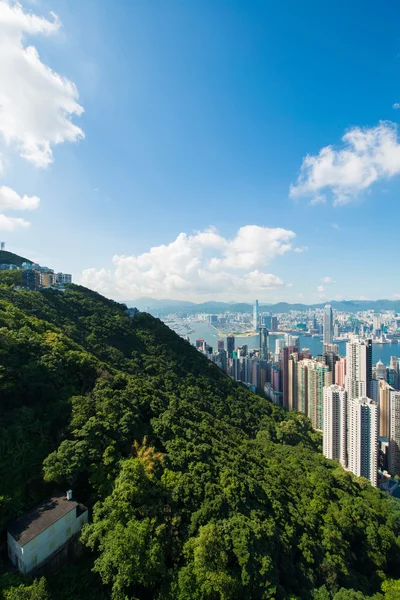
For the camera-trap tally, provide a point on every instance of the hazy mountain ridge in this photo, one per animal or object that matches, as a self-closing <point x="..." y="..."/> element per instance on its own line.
<point x="174" y="306"/>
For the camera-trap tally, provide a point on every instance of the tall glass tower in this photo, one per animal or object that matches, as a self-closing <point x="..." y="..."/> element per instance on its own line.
<point x="328" y="325"/>
<point x="256" y="316"/>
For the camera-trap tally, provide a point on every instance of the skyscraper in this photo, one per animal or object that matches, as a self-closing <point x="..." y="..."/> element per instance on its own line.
<point x="358" y="368"/>
<point x="340" y="371"/>
<point x="319" y="376"/>
<point x="312" y="377"/>
<point x="230" y="344"/>
<point x="384" y="395"/>
<point x="256" y="316"/>
<point x="221" y="345"/>
<point x="362" y="445"/>
<point x="328" y="325"/>
<point x="380" y="370"/>
<point x="394" y="434"/>
<point x="302" y="386"/>
<point x="292" y="381"/>
<point x="274" y="323"/>
<point x="334" y="423"/>
<point x="263" y="343"/>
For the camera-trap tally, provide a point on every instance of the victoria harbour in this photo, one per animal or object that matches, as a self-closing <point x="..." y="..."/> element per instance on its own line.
<point x="210" y="335"/>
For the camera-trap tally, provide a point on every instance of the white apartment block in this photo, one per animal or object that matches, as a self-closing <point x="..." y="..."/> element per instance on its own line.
<point x="394" y="434"/>
<point x="362" y="444"/>
<point x="358" y="368"/>
<point x="334" y="423"/>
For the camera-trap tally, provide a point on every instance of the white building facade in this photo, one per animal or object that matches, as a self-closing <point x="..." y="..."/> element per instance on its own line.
<point x="362" y="445"/>
<point x="394" y="433"/>
<point x="334" y="423"/>
<point x="358" y="368"/>
<point x="39" y="534"/>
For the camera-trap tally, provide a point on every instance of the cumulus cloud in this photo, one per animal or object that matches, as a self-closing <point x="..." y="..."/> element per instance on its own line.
<point x="396" y="105"/>
<point x="9" y="199"/>
<point x="204" y="263"/>
<point x="368" y="155"/>
<point x="36" y="103"/>
<point x="11" y="224"/>
<point x="301" y="249"/>
<point x="321" y="289"/>
<point x="328" y="280"/>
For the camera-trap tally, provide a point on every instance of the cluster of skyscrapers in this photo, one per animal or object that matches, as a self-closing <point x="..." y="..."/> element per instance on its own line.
<point x="355" y="404"/>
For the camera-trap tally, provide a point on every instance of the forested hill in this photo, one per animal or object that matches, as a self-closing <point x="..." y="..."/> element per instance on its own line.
<point x="200" y="489"/>
<point x="12" y="259"/>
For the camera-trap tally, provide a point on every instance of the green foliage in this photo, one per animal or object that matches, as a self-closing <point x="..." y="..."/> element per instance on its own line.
<point x="200" y="489"/>
<point x="11" y="278"/>
<point x="38" y="590"/>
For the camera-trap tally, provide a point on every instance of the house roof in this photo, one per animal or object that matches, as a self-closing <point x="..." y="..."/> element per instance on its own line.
<point x="31" y="524"/>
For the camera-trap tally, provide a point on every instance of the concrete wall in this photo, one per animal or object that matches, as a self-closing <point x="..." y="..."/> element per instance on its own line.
<point x="37" y="551"/>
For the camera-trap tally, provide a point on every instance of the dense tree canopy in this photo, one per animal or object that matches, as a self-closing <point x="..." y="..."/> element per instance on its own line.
<point x="200" y="489"/>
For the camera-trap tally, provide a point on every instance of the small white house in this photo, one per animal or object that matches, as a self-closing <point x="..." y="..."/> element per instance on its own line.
<point x="42" y="532"/>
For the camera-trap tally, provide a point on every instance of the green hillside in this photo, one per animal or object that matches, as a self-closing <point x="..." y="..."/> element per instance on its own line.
<point x="10" y="258"/>
<point x="199" y="489"/>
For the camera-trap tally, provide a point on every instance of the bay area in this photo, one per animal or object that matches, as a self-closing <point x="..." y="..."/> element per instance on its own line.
<point x="210" y="335"/>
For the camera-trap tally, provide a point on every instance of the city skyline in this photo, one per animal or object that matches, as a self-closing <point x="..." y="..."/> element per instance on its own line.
<point x="158" y="165"/>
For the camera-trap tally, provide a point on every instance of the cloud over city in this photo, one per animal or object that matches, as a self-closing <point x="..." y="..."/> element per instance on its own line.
<point x="200" y="264"/>
<point x="368" y="155"/>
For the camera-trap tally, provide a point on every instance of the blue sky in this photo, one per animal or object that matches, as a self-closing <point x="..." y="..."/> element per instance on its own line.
<point x="197" y="119"/>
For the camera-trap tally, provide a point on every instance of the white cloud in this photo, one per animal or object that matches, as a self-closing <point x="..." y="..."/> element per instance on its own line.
<point x="204" y="263"/>
<point x="321" y="289"/>
<point x="36" y="103"/>
<point x="396" y="105"/>
<point x="335" y="226"/>
<point x="368" y="155"/>
<point x="11" y="224"/>
<point x="301" y="249"/>
<point x="9" y="199"/>
<point x="328" y="280"/>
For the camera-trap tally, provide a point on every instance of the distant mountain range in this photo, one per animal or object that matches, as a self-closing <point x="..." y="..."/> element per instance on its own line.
<point x="163" y="307"/>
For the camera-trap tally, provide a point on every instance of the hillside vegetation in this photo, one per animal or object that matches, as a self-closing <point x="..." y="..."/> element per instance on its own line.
<point x="10" y="258"/>
<point x="200" y="489"/>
